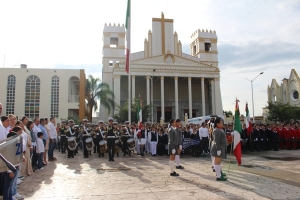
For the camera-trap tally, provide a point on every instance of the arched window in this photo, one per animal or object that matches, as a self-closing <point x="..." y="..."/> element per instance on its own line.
<point x="32" y="97"/>
<point x="10" y="94"/>
<point x="54" y="96"/>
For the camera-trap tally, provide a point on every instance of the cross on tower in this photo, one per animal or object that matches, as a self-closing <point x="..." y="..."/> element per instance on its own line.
<point x="162" y="20"/>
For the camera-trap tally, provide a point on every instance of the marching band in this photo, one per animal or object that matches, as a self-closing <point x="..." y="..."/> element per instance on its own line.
<point x="113" y="138"/>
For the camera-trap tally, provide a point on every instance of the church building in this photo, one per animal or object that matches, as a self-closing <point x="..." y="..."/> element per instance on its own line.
<point x="287" y="91"/>
<point x="175" y="83"/>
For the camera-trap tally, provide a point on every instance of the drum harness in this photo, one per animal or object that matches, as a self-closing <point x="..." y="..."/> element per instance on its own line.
<point x="72" y="148"/>
<point x="88" y="134"/>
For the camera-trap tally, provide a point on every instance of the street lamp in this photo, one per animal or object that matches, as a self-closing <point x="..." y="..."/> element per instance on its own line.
<point x="152" y="94"/>
<point x="252" y="93"/>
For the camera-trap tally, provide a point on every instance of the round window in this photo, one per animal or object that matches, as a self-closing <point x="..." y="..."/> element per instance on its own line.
<point x="296" y="94"/>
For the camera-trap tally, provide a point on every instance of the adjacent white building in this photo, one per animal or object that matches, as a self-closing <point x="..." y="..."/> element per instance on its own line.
<point x="43" y="92"/>
<point x="287" y="91"/>
<point x="182" y="83"/>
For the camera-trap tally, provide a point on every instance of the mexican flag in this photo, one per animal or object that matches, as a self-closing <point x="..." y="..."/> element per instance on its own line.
<point x="128" y="26"/>
<point x="248" y="121"/>
<point x="237" y="148"/>
<point x="139" y="113"/>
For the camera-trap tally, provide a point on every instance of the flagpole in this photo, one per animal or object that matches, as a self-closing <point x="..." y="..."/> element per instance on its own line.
<point x="129" y="70"/>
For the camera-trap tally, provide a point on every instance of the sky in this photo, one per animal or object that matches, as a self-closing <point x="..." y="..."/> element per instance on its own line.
<point x="253" y="37"/>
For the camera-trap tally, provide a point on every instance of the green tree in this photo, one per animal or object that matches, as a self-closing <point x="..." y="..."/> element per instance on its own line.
<point x="227" y="113"/>
<point x="97" y="90"/>
<point x="123" y="112"/>
<point x="282" y="112"/>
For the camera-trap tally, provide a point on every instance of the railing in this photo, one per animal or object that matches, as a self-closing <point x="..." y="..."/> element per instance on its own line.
<point x="73" y="99"/>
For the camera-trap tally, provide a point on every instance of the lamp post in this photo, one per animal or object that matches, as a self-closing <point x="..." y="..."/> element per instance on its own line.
<point x="152" y="95"/>
<point x="252" y="93"/>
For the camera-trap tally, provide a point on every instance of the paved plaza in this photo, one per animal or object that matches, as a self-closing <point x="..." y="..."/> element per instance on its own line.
<point x="265" y="175"/>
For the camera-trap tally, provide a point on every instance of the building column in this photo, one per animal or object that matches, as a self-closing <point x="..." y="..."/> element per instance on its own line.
<point x="203" y="96"/>
<point x="190" y="97"/>
<point x="176" y="97"/>
<point x="117" y="85"/>
<point x="218" y="99"/>
<point x="162" y="94"/>
<point x="148" y="89"/>
<point x="213" y="103"/>
<point x="133" y="88"/>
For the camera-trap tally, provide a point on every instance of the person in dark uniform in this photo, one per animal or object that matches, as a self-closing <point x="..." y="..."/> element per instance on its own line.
<point x="63" y="139"/>
<point x="251" y="139"/>
<point x="77" y="135"/>
<point x="264" y="136"/>
<point x="100" y="134"/>
<point x="125" y="134"/>
<point x="85" y="135"/>
<point x="244" y="138"/>
<point x="257" y="138"/>
<point x="166" y="141"/>
<point x="70" y="133"/>
<point x="275" y="137"/>
<point x="195" y="147"/>
<point x="110" y="137"/>
<point x="160" y="144"/>
<point x="96" y="138"/>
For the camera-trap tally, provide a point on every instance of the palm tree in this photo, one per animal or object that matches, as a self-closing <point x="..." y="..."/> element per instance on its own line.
<point x="97" y="90"/>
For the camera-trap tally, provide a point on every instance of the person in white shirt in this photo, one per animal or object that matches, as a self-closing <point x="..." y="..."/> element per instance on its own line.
<point x="35" y="130"/>
<point x="204" y="138"/>
<point x="40" y="149"/>
<point x="4" y="124"/>
<point x="52" y="136"/>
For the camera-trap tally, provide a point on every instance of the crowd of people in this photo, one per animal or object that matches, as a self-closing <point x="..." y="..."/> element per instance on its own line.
<point x="42" y="136"/>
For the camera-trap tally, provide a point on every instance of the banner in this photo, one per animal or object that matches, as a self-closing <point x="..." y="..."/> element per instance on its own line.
<point x="11" y="149"/>
<point x="187" y="142"/>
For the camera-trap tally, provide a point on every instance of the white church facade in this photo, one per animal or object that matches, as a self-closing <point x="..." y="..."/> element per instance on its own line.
<point x="182" y="83"/>
<point x="287" y="91"/>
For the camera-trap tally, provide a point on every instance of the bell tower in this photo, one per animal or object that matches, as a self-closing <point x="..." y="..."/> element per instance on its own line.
<point x="204" y="46"/>
<point x="113" y="53"/>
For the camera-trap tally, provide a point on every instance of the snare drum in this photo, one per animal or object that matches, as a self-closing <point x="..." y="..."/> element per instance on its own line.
<point x="102" y="145"/>
<point x="72" y="143"/>
<point x="131" y="143"/>
<point x="89" y="143"/>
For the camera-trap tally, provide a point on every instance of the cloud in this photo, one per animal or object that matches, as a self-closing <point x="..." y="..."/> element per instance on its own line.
<point x="258" y="54"/>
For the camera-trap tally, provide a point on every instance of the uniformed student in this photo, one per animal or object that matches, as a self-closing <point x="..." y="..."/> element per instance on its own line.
<point x="173" y="146"/>
<point x="71" y="133"/>
<point x="110" y="137"/>
<point x="85" y="135"/>
<point x="63" y="139"/>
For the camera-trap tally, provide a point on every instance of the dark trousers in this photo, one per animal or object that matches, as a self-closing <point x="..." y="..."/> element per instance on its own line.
<point x="51" y="147"/>
<point x="160" y="149"/>
<point x="40" y="160"/>
<point x="96" y="143"/>
<point x="125" y="145"/>
<point x="85" y="151"/>
<point x="34" y="158"/>
<point x="111" y="148"/>
<point x="204" y="145"/>
<point x="8" y="184"/>
<point x="63" y="143"/>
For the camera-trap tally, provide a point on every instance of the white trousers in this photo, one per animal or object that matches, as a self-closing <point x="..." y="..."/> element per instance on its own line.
<point x="137" y="147"/>
<point x="153" y="148"/>
<point x="148" y="147"/>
